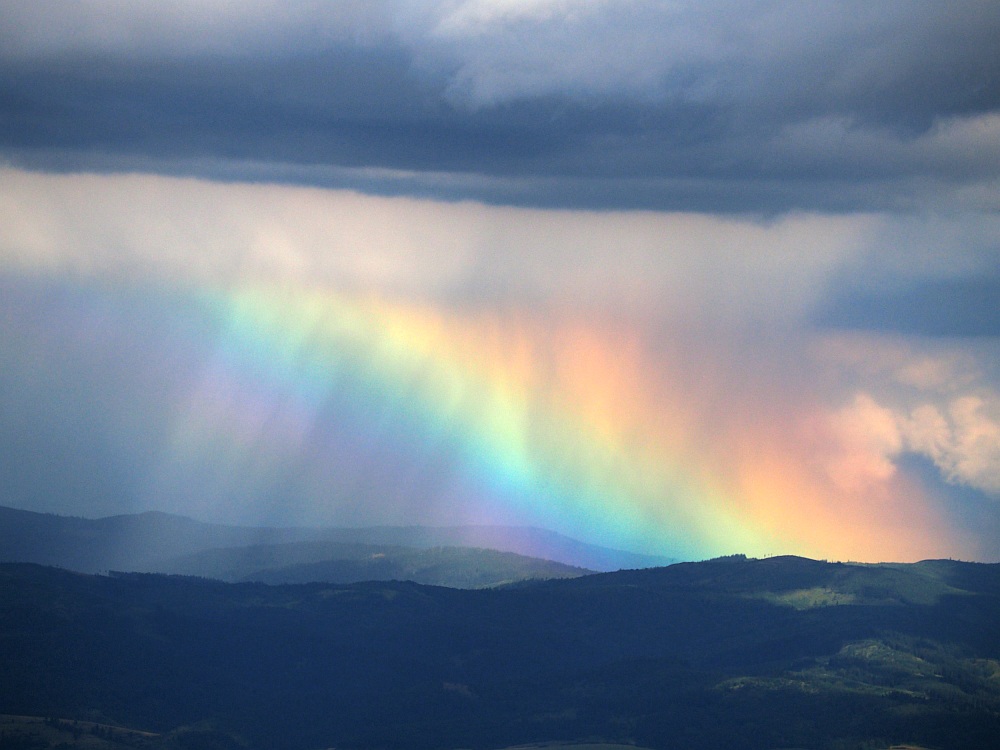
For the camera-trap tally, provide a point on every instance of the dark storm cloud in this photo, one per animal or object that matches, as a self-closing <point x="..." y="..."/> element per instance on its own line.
<point x="718" y="106"/>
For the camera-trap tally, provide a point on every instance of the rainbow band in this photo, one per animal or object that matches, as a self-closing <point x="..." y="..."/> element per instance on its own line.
<point x="290" y="405"/>
<point x="555" y="425"/>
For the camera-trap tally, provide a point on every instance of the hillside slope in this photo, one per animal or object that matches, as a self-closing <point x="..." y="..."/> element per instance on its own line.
<point x="339" y="562"/>
<point x="750" y="654"/>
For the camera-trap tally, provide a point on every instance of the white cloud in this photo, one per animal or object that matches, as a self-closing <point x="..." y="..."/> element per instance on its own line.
<point x="867" y="439"/>
<point x="963" y="439"/>
<point x="746" y="274"/>
<point x="668" y="265"/>
<point x="936" y="400"/>
<point x="961" y="436"/>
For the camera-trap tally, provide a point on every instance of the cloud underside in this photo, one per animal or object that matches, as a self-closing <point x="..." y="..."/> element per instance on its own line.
<point x="532" y="103"/>
<point x="868" y="271"/>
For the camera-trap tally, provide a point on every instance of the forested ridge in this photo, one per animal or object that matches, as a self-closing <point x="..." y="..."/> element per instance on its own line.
<point x="733" y="653"/>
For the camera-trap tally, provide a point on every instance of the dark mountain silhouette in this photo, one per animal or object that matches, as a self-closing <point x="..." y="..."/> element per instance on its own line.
<point x="148" y="541"/>
<point x="732" y="653"/>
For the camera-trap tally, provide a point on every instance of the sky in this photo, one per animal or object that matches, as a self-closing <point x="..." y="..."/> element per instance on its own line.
<point x="689" y="278"/>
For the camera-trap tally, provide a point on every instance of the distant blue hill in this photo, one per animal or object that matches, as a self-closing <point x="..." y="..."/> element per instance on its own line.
<point x="162" y="542"/>
<point x="343" y="562"/>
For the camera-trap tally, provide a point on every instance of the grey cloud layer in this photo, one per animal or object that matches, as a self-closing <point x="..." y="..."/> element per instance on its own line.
<point x="932" y="275"/>
<point x="703" y="106"/>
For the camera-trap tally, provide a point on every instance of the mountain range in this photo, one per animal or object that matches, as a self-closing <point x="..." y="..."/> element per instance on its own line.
<point x="464" y="556"/>
<point x="737" y="653"/>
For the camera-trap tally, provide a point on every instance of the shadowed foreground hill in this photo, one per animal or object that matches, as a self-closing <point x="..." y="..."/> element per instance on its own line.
<point x="775" y="653"/>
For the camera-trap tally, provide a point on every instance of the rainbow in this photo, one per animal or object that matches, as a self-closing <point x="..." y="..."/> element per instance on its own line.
<point x="547" y="422"/>
<point x="291" y="404"/>
<point x="558" y="420"/>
